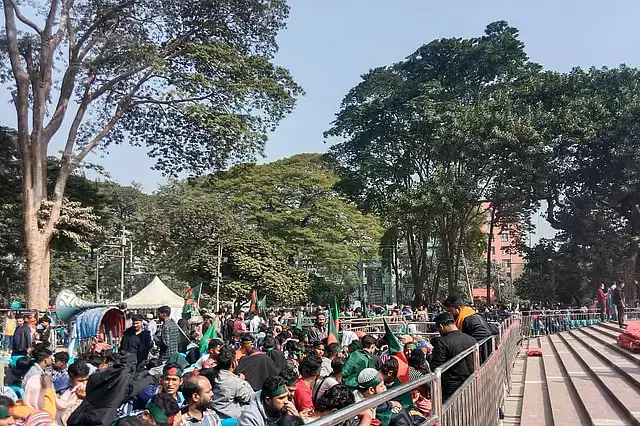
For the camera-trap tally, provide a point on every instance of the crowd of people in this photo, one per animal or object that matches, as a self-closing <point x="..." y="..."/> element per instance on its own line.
<point x="253" y="372"/>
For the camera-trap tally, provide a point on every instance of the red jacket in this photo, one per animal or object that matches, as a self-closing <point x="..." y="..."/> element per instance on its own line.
<point x="602" y="297"/>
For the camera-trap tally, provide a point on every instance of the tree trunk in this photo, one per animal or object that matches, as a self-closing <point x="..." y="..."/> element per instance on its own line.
<point x="489" y="263"/>
<point x="38" y="258"/>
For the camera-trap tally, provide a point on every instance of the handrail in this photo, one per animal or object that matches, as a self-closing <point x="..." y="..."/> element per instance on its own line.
<point x="435" y="379"/>
<point x="354" y="410"/>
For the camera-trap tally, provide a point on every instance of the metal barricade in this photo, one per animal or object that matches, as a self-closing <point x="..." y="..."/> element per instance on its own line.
<point x="541" y="323"/>
<point x="477" y="400"/>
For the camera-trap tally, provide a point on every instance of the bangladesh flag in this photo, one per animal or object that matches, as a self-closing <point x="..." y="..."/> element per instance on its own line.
<point x="253" y="307"/>
<point x="396" y="350"/>
<point x="334" y="322"/>
<point x="192" y="300"/>
<point x="335" y="313"/>
<point x="206" y="338"/>
<point x="262" y="307"/>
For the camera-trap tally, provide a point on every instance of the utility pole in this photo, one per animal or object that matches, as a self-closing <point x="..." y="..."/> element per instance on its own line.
<point x="218" y="277"/>
<point x="123" y="247"/>
<point x="97" y="274"/>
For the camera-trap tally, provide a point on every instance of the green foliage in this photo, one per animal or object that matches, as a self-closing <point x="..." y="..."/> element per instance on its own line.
<point x="426" y="139"/>
<point x="293" y="205"/>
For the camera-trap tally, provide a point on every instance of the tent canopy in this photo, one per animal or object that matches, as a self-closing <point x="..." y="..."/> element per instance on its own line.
<point x="154" y="295"/>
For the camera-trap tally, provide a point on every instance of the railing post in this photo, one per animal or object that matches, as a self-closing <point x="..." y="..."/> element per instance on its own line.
<point x="436" y="396"/>
<point x="476" y="357"/>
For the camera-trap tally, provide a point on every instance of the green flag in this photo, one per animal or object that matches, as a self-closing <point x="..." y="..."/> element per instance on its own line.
<point x="207" y="337"/>
<point x="333" y="336"/>
<point x="192" y="300"/>
<point x="299" y="320"/>
<point x="262" y="307"/>
<point x="335" y="313"/>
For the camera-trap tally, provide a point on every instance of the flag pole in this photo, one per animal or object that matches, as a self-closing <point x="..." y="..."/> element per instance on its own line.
<point x="218" y="278"/>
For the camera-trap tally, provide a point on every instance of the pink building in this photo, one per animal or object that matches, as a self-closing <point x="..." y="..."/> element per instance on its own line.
<point x="503" y="251"/>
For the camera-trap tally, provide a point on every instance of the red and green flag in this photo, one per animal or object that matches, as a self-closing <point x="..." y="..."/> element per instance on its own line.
<point x="397" y="351"/>
<point x="253" y="306"/>
<point x="335" y="313"/>
<point x="192" y="299"/>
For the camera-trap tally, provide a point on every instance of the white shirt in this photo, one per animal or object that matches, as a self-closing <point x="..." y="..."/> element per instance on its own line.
<point x="254" y="324"/>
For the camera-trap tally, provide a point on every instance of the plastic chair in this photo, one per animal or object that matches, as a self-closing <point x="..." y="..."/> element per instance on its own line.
<point x="228" y="422"/>
<point x="17" y="390"/>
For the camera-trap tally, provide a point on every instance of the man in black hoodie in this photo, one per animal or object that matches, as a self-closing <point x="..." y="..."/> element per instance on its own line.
<point x="451" y="343"/>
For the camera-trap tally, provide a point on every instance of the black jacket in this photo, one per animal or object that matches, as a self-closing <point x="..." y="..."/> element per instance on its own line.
<point x="476" y="327"/>
<point x="618" y="296"/>
<point x="142" y="348"/>
<point x="444" y="349"/>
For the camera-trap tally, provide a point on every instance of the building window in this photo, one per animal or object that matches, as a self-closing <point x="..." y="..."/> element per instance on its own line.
<point x="493" y="251"/>
<point x="504" y="251"/>
<point x="504" y="237"/>
<point x="506" y="263"/>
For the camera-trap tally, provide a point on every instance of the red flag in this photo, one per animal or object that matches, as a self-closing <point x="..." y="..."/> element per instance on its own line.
<point x="254" y="300"/>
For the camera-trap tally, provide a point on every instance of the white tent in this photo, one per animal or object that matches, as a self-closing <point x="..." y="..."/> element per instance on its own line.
<point x="154" y="295"/>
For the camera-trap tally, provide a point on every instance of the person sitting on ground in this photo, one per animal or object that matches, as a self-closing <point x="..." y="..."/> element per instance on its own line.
<point x="208" y="360"/>
<point x="360" y="360"/>
<point x="6" y="410"/>
<point x="163" y="410"/>
<point x="323" y="384"/>
<point x="269" y="347"/>
<point x="77" y="390"/>
<point x="309" y="371"/>
<point x="268" y="405"/>
<point x="38" y="405"/>
<point x="336" y="398"/>
<point x="42" y="358"/>
<point x="451" y="343"/>
<point x="197" y="394"/>
<point x="255" y="366"/>
<point x="290" y="376"/>
<point x="231" y="394"/>
<point x="58" y="371"/>
<point x="369" y="383"/>
<point x="331" y="352"/>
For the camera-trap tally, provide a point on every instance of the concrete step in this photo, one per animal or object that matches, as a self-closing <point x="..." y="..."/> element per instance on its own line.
<point x="535" y="404"/>
<point x="613" y="326"/>
<point x="566" y="406"/>
<point x="594" y="393"/>
<point x="611" y="345"/>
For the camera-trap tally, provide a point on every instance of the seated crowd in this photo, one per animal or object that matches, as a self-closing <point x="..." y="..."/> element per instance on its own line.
<point x="275" y="375"/>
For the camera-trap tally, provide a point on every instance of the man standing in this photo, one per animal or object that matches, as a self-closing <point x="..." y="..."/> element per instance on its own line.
<point x="152" y="325"/>
<point x="602" y="302"/>
<point x="47" y="333"/>
<point x="9" y="330"/>
<point x="136" y="339"/>
<point x="319" y="331"/>
<point x="169" y="340"/>
<point x="21" y="338"/>
<point x="452" y="342"/>
<point x="197" y="393"/>
<point x="469" y="322"/>
<point x="619" y="300"/>
<point x="239" y="326"/>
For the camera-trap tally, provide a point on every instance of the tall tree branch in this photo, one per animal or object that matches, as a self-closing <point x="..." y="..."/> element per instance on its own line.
<point x="22" y="17"/>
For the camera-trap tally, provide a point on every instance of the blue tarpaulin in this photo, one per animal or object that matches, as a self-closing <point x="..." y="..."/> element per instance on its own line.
<point x="88" y="322"/>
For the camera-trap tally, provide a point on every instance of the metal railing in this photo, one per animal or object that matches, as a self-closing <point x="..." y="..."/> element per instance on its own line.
<point x="476" y="402"/>
<point x="541" y="323"/>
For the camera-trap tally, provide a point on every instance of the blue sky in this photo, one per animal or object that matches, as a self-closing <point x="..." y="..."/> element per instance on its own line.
<point x="329" y="43"/>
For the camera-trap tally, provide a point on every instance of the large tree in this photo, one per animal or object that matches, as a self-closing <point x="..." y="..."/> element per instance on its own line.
<point x="292" y="203"/>
<point x="425" y="141"/>
<point x="192" y="80"/>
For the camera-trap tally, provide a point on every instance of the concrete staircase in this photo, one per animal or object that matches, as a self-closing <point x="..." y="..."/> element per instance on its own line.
<point x="583" y="378"/>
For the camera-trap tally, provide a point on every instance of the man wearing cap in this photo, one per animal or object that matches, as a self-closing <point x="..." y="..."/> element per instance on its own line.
<point x="369" y="384"/>
<point x="197" y="393"/>
<point x="451" y="343"/>
<point x="268" y="405"/>
<point x="152" y="325"/>
<point x="171" y="381"/>
<point x="6" y="411"/>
